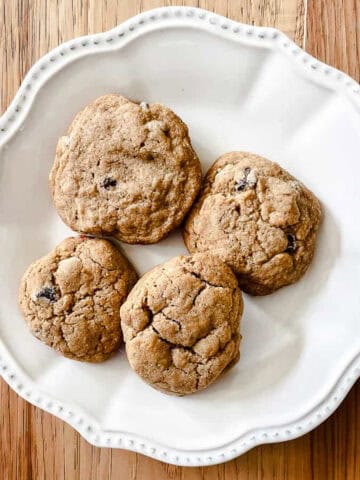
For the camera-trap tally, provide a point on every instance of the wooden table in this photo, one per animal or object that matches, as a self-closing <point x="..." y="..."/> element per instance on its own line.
<point x="35" y="445"/>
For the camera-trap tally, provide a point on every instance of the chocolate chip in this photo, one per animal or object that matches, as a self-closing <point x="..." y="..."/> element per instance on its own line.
<point x="240" y="185"/>
<point x="291" y="244"/>
<point x="243" y="182"/>
<point x="166" y="131"/>
<point x="48" y="293"/>
<point x="108" y="182"/>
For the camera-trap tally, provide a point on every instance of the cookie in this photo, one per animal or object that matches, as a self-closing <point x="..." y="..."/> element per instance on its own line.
<point x="181" y="323"/>
<point x="125" y="169"/>
<point x="71" y="298"/>
<point x="257" y="218"/>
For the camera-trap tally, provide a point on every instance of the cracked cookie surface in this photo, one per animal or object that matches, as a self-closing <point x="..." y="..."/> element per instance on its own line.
<point x="257" y="218"/>
<point x="125" y="170"/>
<point x="181" y="323"/>
<point x="71" y="298"/>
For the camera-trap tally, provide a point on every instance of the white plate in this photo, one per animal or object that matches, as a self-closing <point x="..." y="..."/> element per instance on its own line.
<point x="238" y="87"/>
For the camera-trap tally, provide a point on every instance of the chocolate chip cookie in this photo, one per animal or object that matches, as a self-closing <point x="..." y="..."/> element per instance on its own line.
<point x="257" y="218"/>
<point x="181" y="323"/>
<point x="71" y="298"/>
<point x="125" y="169"/>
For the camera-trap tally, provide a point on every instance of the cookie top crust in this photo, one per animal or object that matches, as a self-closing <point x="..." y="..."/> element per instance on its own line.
<point x="181" y="323"/>
<point x="71" y="298"/>
<point x="257" y="218"/>
<point x="125" y="169"/>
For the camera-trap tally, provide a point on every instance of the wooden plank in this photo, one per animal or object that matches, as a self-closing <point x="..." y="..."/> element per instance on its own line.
<point x="333" y="33"/>
<point x="35" y="445"/>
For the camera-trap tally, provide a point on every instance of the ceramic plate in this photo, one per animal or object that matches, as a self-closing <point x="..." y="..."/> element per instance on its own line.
<point x="238" y="87"/>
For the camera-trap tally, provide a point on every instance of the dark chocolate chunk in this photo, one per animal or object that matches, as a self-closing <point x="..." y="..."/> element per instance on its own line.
<point x="243" y="182"/>
<point x="108" y="182"/>
<point x="48" y="293"/>
<point x="291" y="244"/>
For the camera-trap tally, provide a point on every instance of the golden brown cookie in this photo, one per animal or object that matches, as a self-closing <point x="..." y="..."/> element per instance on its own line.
<point x="257" y="218"/>
<point x="122" y="169"/>
<point x="181" y="323"/>
<point x="71" y="298"/>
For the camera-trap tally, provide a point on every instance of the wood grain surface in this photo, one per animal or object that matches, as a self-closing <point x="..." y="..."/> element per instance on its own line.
<point x="35" y="445"/>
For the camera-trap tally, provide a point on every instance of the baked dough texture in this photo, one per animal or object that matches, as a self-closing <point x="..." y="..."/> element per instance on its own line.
<point x="257" y="218"/>
<point x="181" y="323"/>
<point x="125" y="169"/>
<point x="71" y="298"/>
